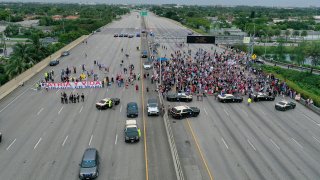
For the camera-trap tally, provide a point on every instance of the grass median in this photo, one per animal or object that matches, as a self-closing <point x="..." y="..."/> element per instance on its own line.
<point x="305" y="83"/>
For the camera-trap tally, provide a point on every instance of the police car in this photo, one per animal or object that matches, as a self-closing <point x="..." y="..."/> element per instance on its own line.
<point x="180" y="112"/>
<point x="104" y="103"/>
<point x="285" y="105"/>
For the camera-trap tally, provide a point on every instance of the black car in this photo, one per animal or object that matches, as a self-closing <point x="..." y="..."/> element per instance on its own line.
<point x="132" y="109"/>
<point x="89" y="166"/>
<point x="54" y="63"/>
<point x="116" y="35"/>
<point x="285" y="105"/>
<point x="179" y="97"/>
<point x="125" y="35"/>
<point x="229" y="98"/>
<point x="121" y="35"/>
<point x="181" y="112"/>
<point x="262" y="97"/>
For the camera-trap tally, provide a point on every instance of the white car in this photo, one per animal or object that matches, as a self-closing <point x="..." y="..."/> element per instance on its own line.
<point x="153" y="107"/>
<point x="147" y="65"/>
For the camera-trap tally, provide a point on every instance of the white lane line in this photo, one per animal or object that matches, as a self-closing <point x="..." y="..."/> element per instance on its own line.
<point x="57" y="91"/>
<point x="205" y="111"/>
<point x="60" y="110"/>
<point x="310" y="119"/>
<point x="274" y="144"/>
<point x="90" y="139"/>
<point x="316" y="139"/>
<point x="251" y="144"/>
<point x="107" y="89"/>
<point x="226" y="112"/>
<point x="120" y="108"/>
<point x="37" y="143"/>
<point x="14" y="100"/>
<point x="115" y="142"/>
<point x="81" y="109"/>
<point x="64" y="140"/>
<point x="74" y="90"/>
<point x="11" y="144"/>
<point x="39" y="111"/>
<point x="263" y="112"/>
<point x="224" y="143"/>
<point x="297" y="143"/>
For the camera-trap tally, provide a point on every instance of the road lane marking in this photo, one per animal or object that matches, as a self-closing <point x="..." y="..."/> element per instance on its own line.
<point x="274" y="144"/>
<point x="11" y="144"/>
<point x="120" y="108"/>
<point x="199" y="150"/>
<point x="226" y="112"/>
<point x="37" y="143"/>
<point x="57" y="91"/>
<point x="60" y="110"/>
<point x="224" y="143"/>
<point x="115" y="142"/>
<point x="14" y="99"/>
<point x="251" y="144"/>
<point x="316" y="139"/>
<point x="81" y="109"/>
<point x="263" y="112"/>
<point x="311" y="119"/>
<point x="90" y="139"/>
<point x="205" y="110"/>
<point x="244" y="112"/>
<point x="297" y="143"/>
<point x="107" y="89"/>
<point x="39" y="111"/>
<point x="64" y="140"/>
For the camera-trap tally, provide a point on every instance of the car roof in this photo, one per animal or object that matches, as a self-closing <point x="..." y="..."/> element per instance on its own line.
<point x="132" y="104"/>
<point x="152" y="100"/>
<point x="181" y="107"/>
<point x="90" y="154"/>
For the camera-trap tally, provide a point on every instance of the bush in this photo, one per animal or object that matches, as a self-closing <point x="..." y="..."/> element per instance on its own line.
<point x="305" y="83"/>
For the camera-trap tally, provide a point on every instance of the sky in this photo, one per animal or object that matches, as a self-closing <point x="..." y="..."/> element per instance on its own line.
<point x="270" y="3"/>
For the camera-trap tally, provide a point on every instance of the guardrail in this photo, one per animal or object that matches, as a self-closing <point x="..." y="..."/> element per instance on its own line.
<point x="11" y="85"/>
<point x="172" y="144"/>
<point x="291" y="66"/>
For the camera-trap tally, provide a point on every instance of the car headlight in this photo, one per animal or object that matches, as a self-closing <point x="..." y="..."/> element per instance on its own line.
<point x="81" y="175"/>
<point x="127" y="138"/>
<point x="94" y="174"/>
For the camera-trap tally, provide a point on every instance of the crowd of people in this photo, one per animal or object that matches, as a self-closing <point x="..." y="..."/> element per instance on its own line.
<point x="72" y="98"/>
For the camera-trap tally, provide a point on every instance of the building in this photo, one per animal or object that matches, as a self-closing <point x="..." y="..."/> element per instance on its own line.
<point x="316" y="19"/>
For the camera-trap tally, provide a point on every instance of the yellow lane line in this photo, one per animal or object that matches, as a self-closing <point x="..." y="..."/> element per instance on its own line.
<point x="199" y="150"/>
<point x="143" y="115"/>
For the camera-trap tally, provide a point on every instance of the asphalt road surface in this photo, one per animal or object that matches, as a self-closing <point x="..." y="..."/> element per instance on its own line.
<point x="234" y="141"/>
<point x="44" y="139"/>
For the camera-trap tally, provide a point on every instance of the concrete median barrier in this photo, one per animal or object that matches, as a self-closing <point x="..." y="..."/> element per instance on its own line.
<point x="25" y="76"/>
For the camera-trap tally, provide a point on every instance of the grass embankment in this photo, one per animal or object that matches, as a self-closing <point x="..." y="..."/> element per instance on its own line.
<point x="305" y="83"/>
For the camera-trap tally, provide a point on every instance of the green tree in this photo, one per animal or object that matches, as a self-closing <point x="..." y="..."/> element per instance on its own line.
<point x="12" y="30"/>
<point x="14" y="67"/>
<point x="287" y="33"/>
<point x="280" y="50"/>
<point x="22" y="53"/>
<point x="295" y="34"/>
<point x="304" y="33"/>
<point x="313" y="51"/>
<point x="300" y="53"/>
<point x="277" y="32"/>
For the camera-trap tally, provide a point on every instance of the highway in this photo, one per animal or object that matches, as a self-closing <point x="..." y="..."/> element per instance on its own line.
<point x="44" y="139"/>
<point x="234" y="141"/>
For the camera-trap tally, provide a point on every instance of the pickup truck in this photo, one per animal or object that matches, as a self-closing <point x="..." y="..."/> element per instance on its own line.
<point x="131" y="131"/>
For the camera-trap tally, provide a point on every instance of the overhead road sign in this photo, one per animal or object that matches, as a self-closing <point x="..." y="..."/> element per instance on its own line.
<point x="201" y="39"/>
<point x="246" y="40"/>
<point x="143" y="13"/>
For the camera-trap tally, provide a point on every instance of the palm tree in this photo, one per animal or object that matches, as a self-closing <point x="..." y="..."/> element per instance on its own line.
<point x="22" y="52"/>
<point x="37" y="51"/>
<point x="14" y="67"/>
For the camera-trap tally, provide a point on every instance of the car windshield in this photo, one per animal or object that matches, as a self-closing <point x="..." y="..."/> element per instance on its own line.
<point x="282" y="103"/>
<point x="132" y="107"/>
<point x="153" y="105"/>
<point x="102" y="101"/>
<point x="132" y="131"/>
<point x="88" y="164"/>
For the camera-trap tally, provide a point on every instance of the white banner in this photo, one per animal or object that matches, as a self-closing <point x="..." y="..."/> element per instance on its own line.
<point x="72" y="85"/>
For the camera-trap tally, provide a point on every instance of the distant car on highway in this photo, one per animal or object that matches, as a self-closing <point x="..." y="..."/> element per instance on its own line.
<point x="131" y="131"/>
<point x="89" y="165"/>
<point x="65" y="53"/>
<point x="54" y="62"/>
<point x="180" y="112"/>
<point x="259" y="96"/>
<point x="144" y="54"/>
<point x="147" y="65"/>
<point x="190" y="33"/>
<point x="285" y="105"/>
<point x="121" y="35"/>
<point x="130" y="36"/>
<point x="104" y="103"/>
<point x="138" y="35"/>
<point x="116" y="35"/>
<point x="132" y="109"/>
<point x="179" y="97"/>
<point x="225" y="98"/>
<point x="125" y="35"/>
<point x="259" y="61"/>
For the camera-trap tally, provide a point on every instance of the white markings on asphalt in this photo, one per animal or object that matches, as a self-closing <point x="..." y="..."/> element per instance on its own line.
<point x="297" y="143"/>
<point x="81" y="109"/>
<point x="263" y="112"/>
<point x="57" y="91"/>
<point x="120" y="108"/>
<point x="316" y="139"/>
<point x="107" y="89"/>
<point x="310" y="119"/>
<point x="74" y="90"/>
<point x="205" y="111"/>
<point x="64" y="140"/>
<point x="90" y="139"/>
<point x="39" y="111"/>
<point x="275" y="144"/>
<point x="35" y="146"/>
<point x="251" y="145"/>
<point x="226" y="112"/>
<point x="224" y="143"/>
<point x="115" y="142"/>
<point x="60" y="110"/>
<point x="14" y="100"/>
<point x="11" y="144"/>
<point x="244" y="112"/>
